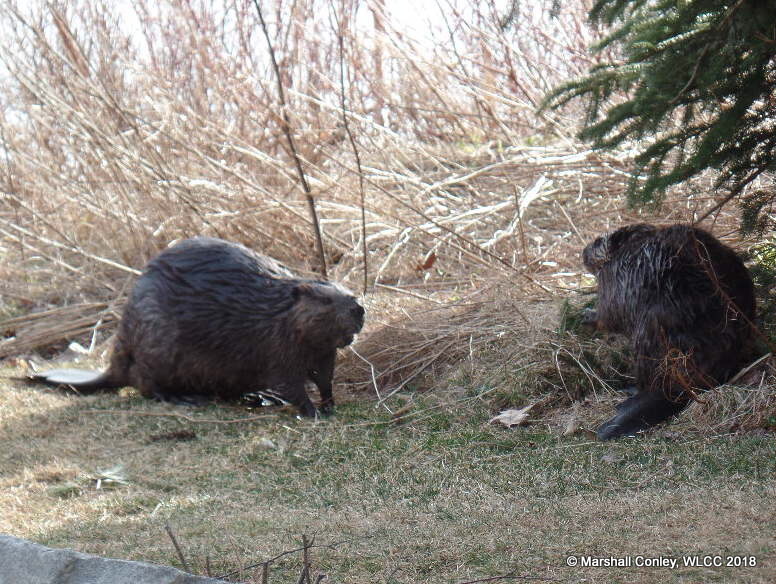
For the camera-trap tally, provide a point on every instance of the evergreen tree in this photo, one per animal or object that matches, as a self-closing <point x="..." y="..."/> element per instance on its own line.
<point x="694" y="89"/>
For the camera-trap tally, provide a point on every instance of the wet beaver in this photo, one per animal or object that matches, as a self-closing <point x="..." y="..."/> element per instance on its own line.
<point x="687" y="303"/>
<point x="213" y="319"/>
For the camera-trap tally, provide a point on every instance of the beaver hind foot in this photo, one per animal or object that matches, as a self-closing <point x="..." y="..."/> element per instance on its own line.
<point x="638" y="413"/>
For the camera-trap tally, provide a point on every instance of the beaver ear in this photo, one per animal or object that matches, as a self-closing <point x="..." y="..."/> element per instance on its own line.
<point x="619" y="237"/>
<point x="312" y="291"/>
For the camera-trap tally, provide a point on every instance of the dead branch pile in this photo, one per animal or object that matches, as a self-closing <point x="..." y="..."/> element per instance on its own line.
<point x="749" y="405"/>
<point x="427" y="335"/>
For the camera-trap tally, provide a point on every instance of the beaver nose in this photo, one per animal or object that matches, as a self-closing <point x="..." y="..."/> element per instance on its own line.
<point x="357" y="311"/>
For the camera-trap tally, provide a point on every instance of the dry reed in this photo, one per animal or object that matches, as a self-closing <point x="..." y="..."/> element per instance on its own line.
<point x="125" y="130"/>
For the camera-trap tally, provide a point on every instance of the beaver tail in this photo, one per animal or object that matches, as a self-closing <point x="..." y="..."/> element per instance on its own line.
<point x="640" y="412"/>
<point x="79" y="379"/>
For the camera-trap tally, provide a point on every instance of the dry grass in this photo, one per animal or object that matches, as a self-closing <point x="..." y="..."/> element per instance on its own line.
<point x="749" y="406"/>
<point x="120" y="142"/>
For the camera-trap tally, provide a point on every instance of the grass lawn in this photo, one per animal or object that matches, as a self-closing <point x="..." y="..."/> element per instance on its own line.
<point x="437" y="495"/>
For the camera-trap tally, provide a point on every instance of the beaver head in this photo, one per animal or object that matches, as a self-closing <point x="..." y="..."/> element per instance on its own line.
<point x="325" y="315"/>
<point x="602" y="250"/>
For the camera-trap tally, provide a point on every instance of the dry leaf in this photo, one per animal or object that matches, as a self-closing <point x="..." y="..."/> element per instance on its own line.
<point x="572" y="424"/>
<point x="110" y="478"/>
<point x="403" y="409"/>
<point x="612" y="458"/>
<point x="267" y="444"/>
<point x="428" y="262"/>
<point x="513" y="417"/>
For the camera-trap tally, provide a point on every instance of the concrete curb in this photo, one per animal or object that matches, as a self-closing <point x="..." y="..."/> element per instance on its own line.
<point x="25" y="562"/>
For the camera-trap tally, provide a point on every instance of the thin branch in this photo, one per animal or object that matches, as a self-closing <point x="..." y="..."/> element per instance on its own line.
<point x="310" y="545"/>
<point x="732" y="195"/>
<point x="177" y="547"/>
<point x="351" y="139"/>
<point x="286" y="125"/>
<point x="265" y="573"/>
<point x="304" y="577"/>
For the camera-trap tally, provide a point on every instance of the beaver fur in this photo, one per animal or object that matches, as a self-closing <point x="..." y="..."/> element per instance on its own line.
<point x="213" y="319"/>
<point x="685" y="300"/>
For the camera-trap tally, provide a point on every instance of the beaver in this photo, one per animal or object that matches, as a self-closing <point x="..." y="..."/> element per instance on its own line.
<point x="687" y="303"/>
<point x="213" y="319"/>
